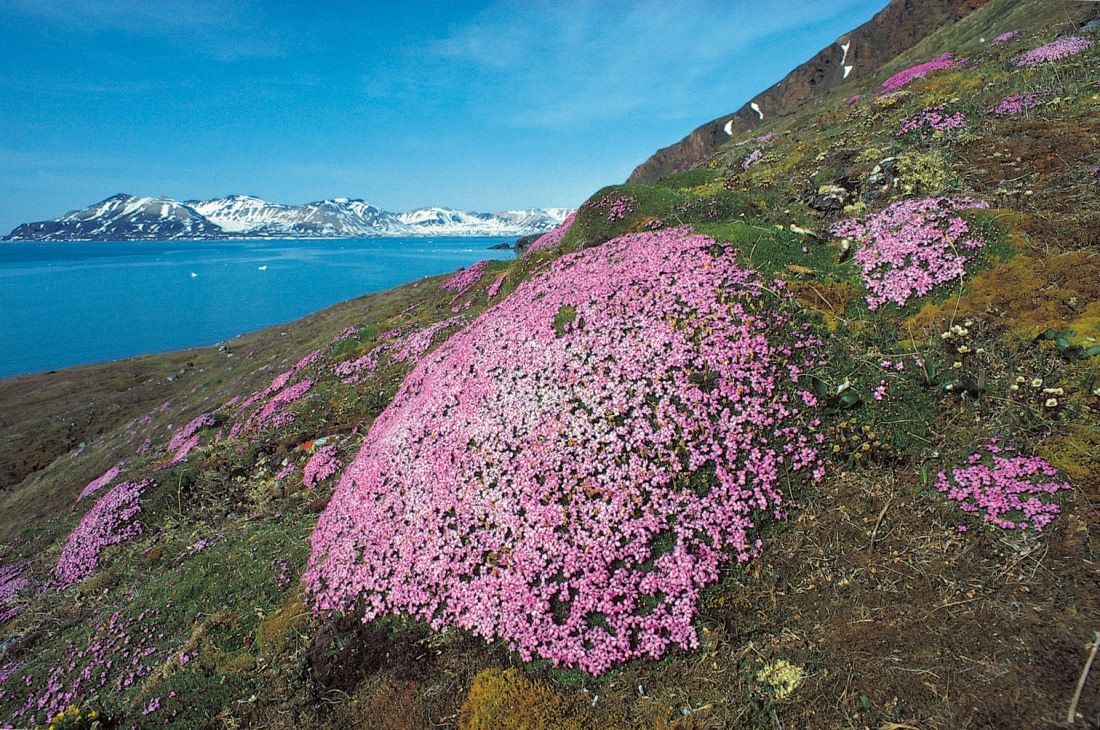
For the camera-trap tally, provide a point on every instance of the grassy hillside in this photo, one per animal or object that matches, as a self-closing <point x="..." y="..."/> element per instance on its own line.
<point x="935" y="245"/>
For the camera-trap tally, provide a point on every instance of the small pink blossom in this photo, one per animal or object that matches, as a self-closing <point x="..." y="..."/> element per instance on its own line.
<point x="321" y="465"/>
<point x="554" y="237"/>
<point x="901" y="78"/>
<point x="113" y="519"/>
<point x="1007" y="491"/>
<point x="911" y="247"/>
<point x="1053" y="51"/>
<point x="101" y="481"/>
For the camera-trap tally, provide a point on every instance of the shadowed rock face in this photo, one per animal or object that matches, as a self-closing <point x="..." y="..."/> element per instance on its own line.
<point x="896" y="28"/>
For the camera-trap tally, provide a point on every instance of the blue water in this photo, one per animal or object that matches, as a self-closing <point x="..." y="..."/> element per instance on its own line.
<point x="65" y="304"/>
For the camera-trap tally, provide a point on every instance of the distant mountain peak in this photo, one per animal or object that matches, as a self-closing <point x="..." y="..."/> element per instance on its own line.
<point x="124" y="217"/>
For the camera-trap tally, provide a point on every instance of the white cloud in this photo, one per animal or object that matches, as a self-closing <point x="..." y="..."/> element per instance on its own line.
<point x="560" y="64"/>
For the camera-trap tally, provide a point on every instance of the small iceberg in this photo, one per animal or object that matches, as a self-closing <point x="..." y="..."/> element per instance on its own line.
<point x="262" y="268"/>
<point x="193" y="274"/>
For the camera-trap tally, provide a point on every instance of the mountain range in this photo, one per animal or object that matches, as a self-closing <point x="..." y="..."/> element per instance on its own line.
<point x="128" y="218"/>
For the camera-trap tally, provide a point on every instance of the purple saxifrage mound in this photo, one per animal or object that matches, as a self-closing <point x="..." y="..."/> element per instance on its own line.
<point x="568" y="472"/>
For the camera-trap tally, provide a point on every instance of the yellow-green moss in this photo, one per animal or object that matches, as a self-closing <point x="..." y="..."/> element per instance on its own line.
<point x="508" y="699"/>
<point x="781" y="678"/>
<point x="1077" y="455"/>
<point x="925" y="172"/>
<point x="1031" y="295"/>
<point x="273" y="634"/>
<point x="953" y="86"/>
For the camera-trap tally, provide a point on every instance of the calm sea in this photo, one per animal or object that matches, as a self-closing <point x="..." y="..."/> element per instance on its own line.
<point x="65" y="304"/>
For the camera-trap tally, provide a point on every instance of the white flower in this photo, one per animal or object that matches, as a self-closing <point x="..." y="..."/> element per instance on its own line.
<point x="1037" y="383"/>
<point x="1051" y="402"/>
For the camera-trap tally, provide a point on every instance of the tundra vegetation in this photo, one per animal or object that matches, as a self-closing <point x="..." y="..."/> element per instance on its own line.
<point x="806" y="436"/>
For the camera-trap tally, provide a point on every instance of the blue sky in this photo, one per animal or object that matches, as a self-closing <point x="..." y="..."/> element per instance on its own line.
<point x="482" y="106"/>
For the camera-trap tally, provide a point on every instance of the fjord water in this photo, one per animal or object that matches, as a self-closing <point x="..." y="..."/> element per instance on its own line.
<point x="64" y="304"/>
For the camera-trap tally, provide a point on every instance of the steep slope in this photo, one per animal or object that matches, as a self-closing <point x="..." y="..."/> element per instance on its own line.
<point x="900" y="289"/>
<point x="856" y="55"/>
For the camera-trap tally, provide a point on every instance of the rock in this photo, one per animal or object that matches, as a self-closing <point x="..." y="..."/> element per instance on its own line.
<point x="897" y="27"/>
<point x="829" y="199"/>
<point x="884" y="175"/>
<point x="501" y="247"/>
<point x="522" y="244"/>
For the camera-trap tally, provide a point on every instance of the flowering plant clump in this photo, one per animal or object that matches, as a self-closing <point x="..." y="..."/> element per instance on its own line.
<point x="1007" y="490"/>
<point x="1016" y="104"/>
<point x="618" y="206"/>
<point x="274" y="407"/>
<point x="494" y="288"/>
<point x="764" y="138"/>
<point x="307" y="361"/>
<point x="1004" y="37"/>
<point x="12" y="583"/>
<point x="348" y="332"/>
<point x="568" y="472"/>
<point x="113" y="519"/>
<point x="901" y="78"/>
<point x="1053" y="51"/>
<point x="324" y="463"/>
<point x="101" y="481"/>
<point x="181" y="436"/>
<point x="413" y="345"/>
<point x="932" y="119"/>
<point x="911" y="246"/>
<point x="854" y="99"/>
<point x="352" y="371"/>
<point x="182" y="452"/>
<point x="554" y="237"/>
<point x="119" y="654"/>
<point x="463" y="280"/>
<point x="752" y="158"/>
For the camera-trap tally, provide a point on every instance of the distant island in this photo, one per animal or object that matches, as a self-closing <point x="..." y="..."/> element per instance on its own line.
<point x="125" y="217"/>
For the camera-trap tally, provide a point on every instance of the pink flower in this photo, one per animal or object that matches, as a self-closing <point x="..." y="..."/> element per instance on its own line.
<point x="322" y="465"/>
<point x="101" y="481"/>
<point x="932" y="119"/>
<point x="911" y="247"/>
<point x="113" y="519"/>
<point x="568" y="472"/>
<point x="901" y="78"/>
<point x="463" y="280"/>
<point x="1053" y="51"/>
<point x="554" y="237"/>
<point x="1008" y="491"/>
<point x="181" y="436"/>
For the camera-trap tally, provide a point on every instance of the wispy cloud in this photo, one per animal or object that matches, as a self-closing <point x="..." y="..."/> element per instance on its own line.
<point x="219" y="29"/>
<point x="561" y="64"/>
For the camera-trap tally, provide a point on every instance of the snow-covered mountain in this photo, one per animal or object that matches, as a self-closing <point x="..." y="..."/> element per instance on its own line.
<point x="449" y="222"/>
<point x="340" y="218"/>
<point x="123" y="218"/>
<point x="127" y="218"/>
